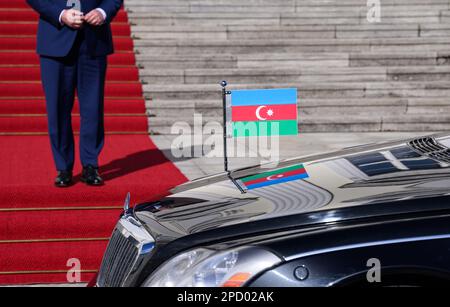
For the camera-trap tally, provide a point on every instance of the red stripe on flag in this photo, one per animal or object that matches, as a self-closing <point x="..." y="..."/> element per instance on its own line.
<point x="276" y="177"/>
<point x="263" y="112"/>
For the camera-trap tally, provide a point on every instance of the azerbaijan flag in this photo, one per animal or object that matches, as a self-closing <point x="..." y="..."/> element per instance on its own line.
<point x="283" y="175"/>
<point x="264" y="112"/>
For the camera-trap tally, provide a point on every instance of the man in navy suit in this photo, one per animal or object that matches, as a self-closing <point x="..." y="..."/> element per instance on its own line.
<point x="73" y="41"/>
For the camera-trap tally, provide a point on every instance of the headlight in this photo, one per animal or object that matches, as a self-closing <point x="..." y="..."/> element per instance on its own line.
<point x="208" y="268"/>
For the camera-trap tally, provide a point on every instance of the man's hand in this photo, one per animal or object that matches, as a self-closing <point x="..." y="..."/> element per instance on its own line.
<point x="94" y="18"/>
<point x="73" y="18"/>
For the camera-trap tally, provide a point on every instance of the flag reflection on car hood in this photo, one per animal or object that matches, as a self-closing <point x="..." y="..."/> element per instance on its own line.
<point x="386" y="173"/>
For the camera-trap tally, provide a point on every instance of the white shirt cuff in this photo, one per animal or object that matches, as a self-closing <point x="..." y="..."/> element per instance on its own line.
<point x="60" y="17"/>
<point x="103" y="13"/>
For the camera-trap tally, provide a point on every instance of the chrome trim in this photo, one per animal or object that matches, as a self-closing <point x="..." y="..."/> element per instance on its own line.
<point x="431" y="148"/>
<point x="367" y="244"/>
<point x="135" y="235"/>
<point x="130" y="227"/>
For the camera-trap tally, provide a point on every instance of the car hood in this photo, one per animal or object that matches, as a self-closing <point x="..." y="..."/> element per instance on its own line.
<point x="376" y="179"/>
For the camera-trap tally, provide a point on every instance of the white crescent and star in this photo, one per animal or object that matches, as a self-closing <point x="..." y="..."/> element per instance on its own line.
<point x="258" y="113"/>
<point x="258" y="110"/>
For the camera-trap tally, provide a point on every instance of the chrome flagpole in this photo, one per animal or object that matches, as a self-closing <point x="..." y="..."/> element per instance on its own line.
<point x="225" y="95"/>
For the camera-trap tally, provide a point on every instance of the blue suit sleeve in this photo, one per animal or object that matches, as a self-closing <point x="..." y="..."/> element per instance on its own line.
<point x="111" y="7"/>
<point x="48" y="10"/>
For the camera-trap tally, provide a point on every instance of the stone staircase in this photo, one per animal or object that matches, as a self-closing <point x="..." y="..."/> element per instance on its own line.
<point x="352" y="75"/>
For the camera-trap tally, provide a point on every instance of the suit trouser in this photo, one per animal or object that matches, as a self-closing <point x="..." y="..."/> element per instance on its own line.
<point x="60" y="78"/>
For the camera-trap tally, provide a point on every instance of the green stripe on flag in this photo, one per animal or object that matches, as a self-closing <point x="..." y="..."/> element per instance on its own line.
<point x="275" y="172"/>
<point x="265" y="128"/>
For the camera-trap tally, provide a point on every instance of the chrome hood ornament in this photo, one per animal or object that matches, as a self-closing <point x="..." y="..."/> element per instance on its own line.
<point x="126" y="205"/>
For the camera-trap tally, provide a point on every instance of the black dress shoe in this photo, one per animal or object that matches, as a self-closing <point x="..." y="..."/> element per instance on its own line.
<point x="64" y="179"/>
<point x="90" y="176"/>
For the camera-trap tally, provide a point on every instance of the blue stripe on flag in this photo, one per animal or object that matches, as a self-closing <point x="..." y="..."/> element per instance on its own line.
<point x="263" y="97"/>
<point x="273" y="182"/>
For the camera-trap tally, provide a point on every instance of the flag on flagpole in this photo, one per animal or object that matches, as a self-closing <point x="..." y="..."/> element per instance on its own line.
<point x="283" y="175"/>
<point x="264" y="112"/>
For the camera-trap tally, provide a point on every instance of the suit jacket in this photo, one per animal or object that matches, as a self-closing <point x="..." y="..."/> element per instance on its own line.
<point x="56" y="40"/>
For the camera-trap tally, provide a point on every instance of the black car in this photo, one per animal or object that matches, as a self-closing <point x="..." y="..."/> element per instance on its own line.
<point x="373" y="215"/>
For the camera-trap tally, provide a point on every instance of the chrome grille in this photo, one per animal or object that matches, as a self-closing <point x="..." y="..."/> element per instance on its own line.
<point x="429" y="147"/>
<point x="128" y="244"/>
<point x="118" y="260"/>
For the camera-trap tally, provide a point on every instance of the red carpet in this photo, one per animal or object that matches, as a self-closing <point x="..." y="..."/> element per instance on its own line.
<point x="30" y="28"/>
<point x="37" y="106"/>
<point x="8" y="58"/>
<point x="33" y="74"/>
<point x="41" y="227"/>
<point x="27" y="43"/>
<point x="34" y="89"/>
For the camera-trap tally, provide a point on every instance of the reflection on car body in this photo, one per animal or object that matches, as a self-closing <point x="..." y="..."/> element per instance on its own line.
<point x="389" y="201"/>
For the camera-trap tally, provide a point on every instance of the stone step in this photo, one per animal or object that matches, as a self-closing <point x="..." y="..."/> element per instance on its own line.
<point x="272" y="60"/>
<point x="234" y="76"/>
<point x="399" y="59"/>
<point x="289" y="60"/>
<point x="341" y="3"/>
<point x="185" y="61"/>
<point x="358" y="106"/>
<point x="445" y="16"/>
<point x="425" y="73"/>
<point x="279" y="7"/>
<point x="403" y="16"/>
<point x="408" y="103"/>
<point x="301" y="3"/>
<point x="301" y="75"/>
<point x="308" y="90"/>
<point x="293" y="42"/>
<point x="276" y="21"/>
<point x="357" y="59"/>
<point x="386" y="45"/>
<point x="336" y="17"/>
<point x="248" y="49"/>
<point x="303" y="111"/>
<point x="291" y="32"/>
<point x="320" y="123"/>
